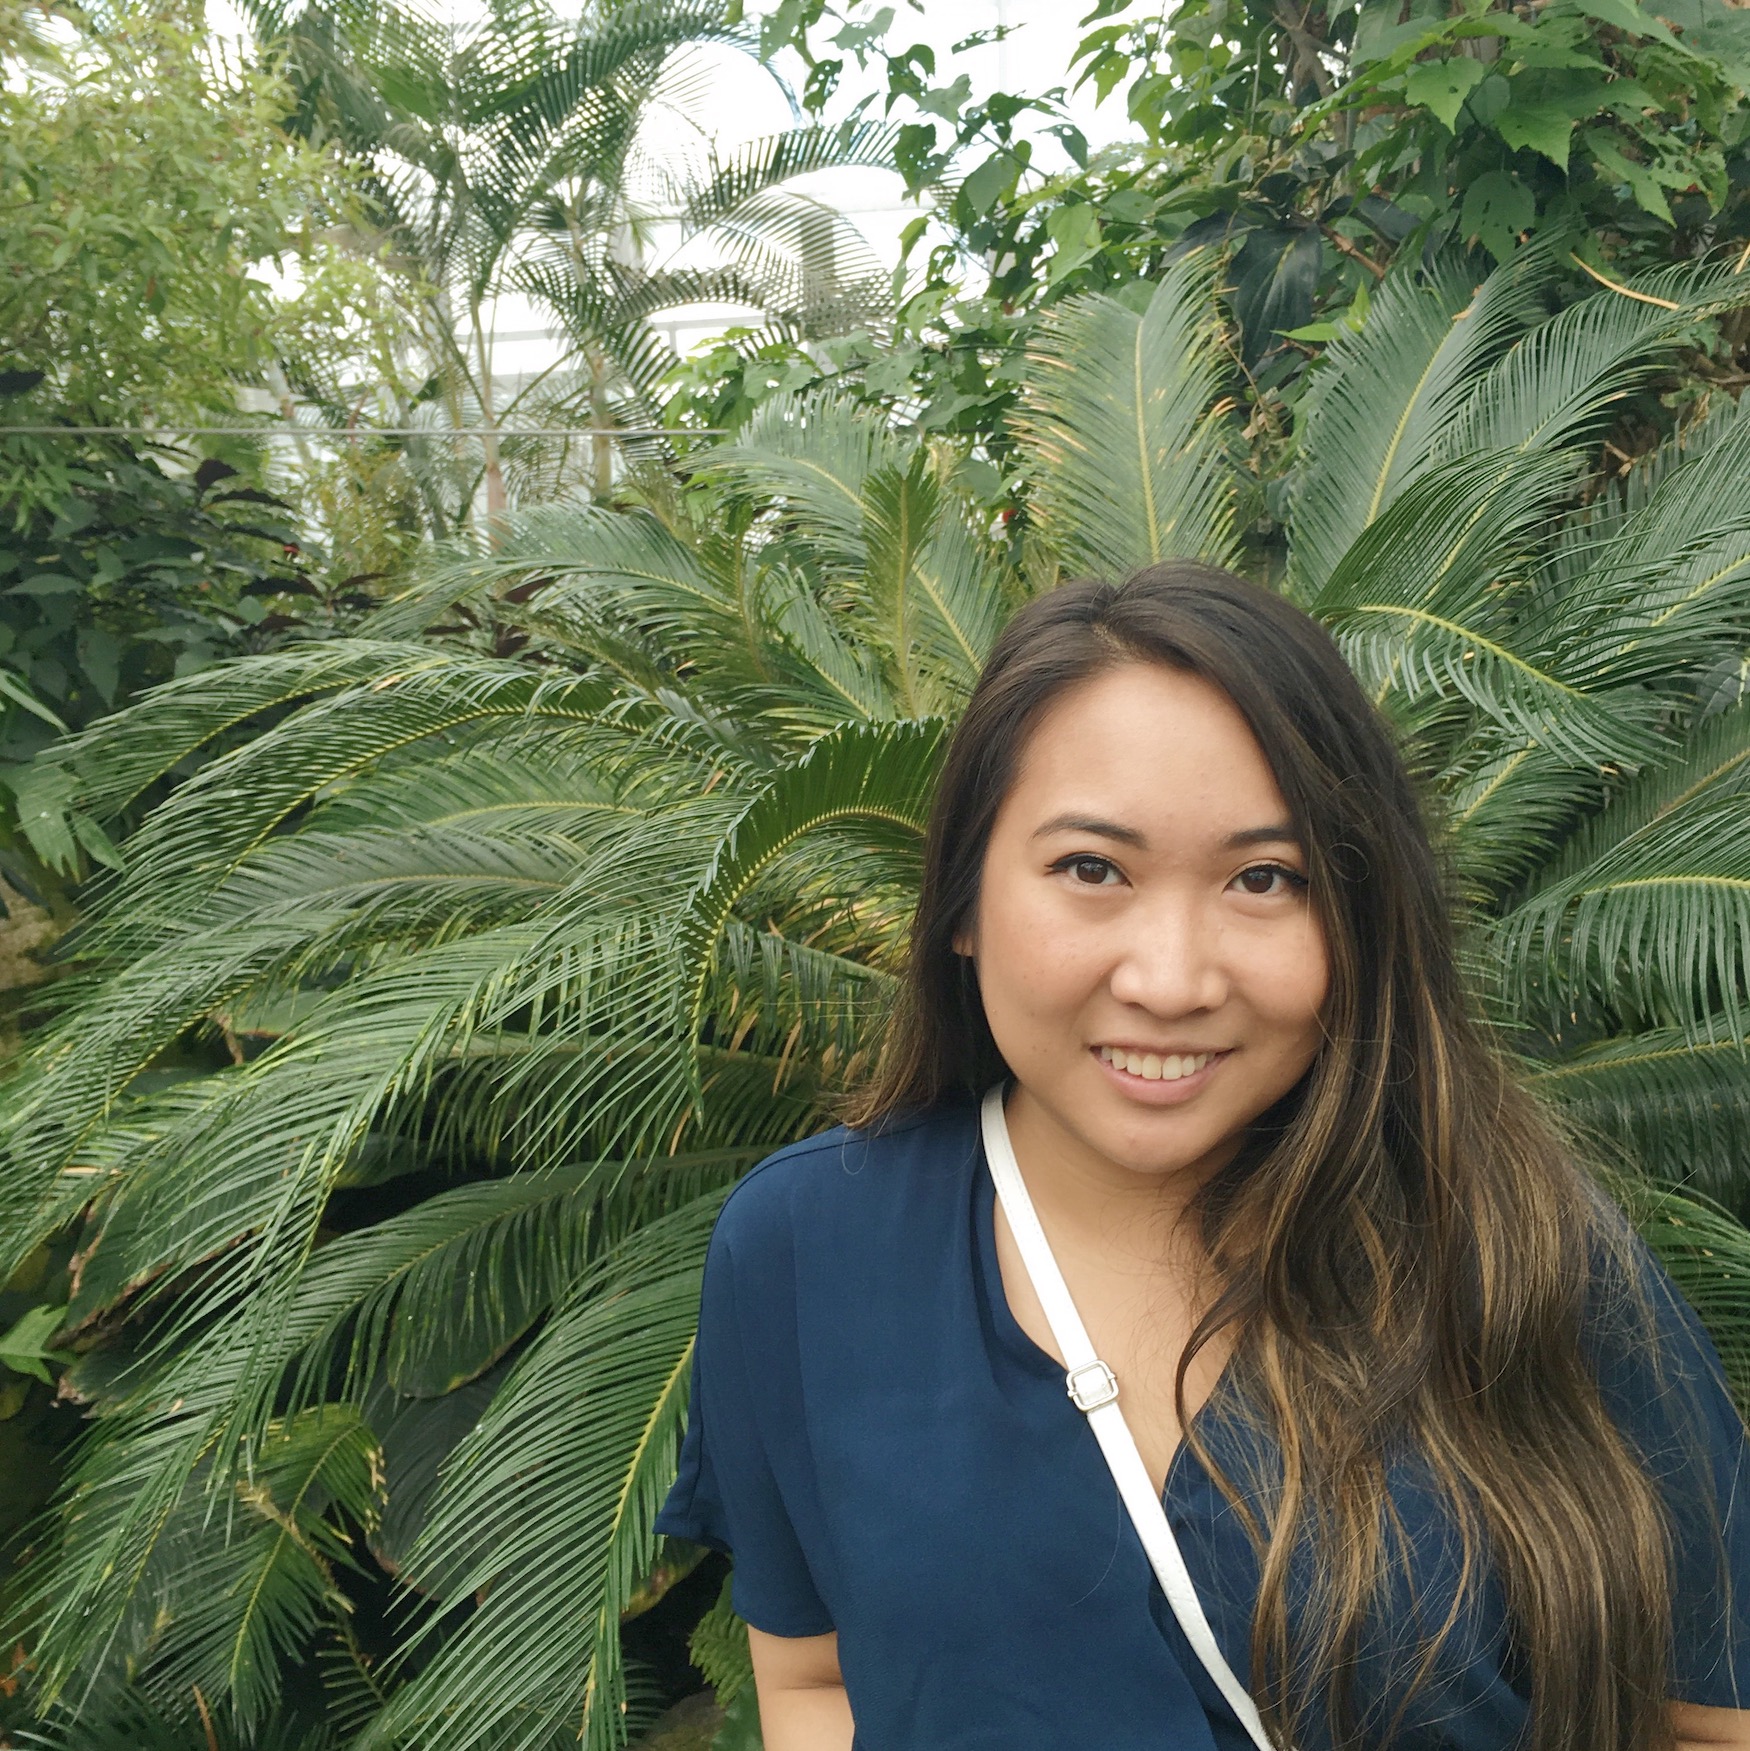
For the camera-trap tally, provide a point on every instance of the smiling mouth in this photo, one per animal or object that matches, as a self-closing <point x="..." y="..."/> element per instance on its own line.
<point x="1153" y="1067"/>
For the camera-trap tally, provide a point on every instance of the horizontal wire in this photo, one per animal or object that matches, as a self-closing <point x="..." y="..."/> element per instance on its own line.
<point x="362" y="432"/>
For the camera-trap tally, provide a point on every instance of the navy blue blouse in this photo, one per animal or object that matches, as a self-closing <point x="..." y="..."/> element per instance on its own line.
<point x="886" y="1453"/>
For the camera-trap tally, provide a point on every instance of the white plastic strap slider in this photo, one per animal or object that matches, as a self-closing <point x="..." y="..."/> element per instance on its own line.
<point x="1091" y="1385"/>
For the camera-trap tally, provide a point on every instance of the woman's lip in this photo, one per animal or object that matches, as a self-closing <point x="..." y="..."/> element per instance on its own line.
<point x="1163" y="1093"/>
<point x="1155" y="1051"/>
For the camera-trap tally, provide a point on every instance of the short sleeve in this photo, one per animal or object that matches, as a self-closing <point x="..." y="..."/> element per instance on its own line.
<point x="728" y="1493"/>
<point x="1674" y="1406"/>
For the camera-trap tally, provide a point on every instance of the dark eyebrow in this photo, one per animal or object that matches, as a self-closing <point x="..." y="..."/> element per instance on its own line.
<point x="1089" y="824"/>
<point x="1278" y="833"/>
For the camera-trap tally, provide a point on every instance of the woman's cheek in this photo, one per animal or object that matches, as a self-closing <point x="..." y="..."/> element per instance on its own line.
<point x="1034" y="974"/>
<point x="1290" y="985"/>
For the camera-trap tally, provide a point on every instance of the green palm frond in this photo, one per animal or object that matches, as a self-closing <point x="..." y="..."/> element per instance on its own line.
<point x="1674" y="1107"/>
<point x="125" y="752"/>
<point x="803" y="262"/>
<point x="837" y="676"/>
<point x="233" y="804"/>
<point x="965" y="600"/>
<point x="61" y="1100"/>
<point x="1707" y="1253"/>
<point x="869" y="784"/>
<point x="130" y="1723"/>
<point x="1711" y="763"/>
<point x="717" y="188"/>
<point x="802" y="1005"/>
<point x="1669" y="589"/>
<point x="814" y="457"/>
<point x="1506" y="803"/>
<point x="1423" y="606"/>
<point x="1657" y="927"/>
<point x="523" y="787"/>
<point x="1383" y="399"/>
<point x="1131" y="462"/>
<point x="263" y="1590"/>
<point x="545" y="1510"/>
<point x="517" y="153"/>
<point x="1556" y="384"/>
<point x="437" y="1295"/>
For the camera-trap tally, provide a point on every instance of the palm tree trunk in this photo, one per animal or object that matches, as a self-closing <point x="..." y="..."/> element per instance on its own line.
<point x="600" y="416"/>
<point x="497" y="501"/>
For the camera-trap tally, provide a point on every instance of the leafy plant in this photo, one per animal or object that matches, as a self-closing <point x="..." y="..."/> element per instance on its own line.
<point x="427" y="1024"/>
<point x="1315" y="144"/>
<point x="131" y="575"/>
<point x="514" y="156"/>
<point x="147" y="184"/>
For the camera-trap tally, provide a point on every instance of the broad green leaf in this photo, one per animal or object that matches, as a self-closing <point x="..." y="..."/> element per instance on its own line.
<point x="1076" y="233"/>
<point x="24" y="1346"/>
<point x="1544" y="127"/>
<point x="1442" y="85"/>
<point x="1616" y="163"/>
<point x="1497" y="207"/>
<point x="1275" y="277"/>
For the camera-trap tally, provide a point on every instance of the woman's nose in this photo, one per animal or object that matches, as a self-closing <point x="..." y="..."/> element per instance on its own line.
<point x="1171" y="963"/>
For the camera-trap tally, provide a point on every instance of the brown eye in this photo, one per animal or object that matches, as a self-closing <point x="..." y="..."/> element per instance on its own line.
<point x="1088" y="870"/>
<point x="1262" y="879"/>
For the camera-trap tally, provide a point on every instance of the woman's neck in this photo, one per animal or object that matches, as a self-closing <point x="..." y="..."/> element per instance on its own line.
<point x="1088" y="1200"/>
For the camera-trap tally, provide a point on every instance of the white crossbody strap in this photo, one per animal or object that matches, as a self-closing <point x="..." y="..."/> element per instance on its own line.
<point x="1094" y="1390"/>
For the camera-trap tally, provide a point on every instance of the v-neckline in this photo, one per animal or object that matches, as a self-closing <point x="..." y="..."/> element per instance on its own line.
<point x="1032" y="1355"/>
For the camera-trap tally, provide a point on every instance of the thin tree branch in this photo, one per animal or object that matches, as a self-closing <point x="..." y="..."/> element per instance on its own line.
<point x="1353" y="251"/>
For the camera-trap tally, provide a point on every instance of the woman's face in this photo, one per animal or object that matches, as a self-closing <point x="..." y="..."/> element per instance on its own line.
<point x="1150" y="964"/>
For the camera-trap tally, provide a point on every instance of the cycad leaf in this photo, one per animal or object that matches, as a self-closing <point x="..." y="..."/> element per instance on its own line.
<point x="1657" y="928"/>
<point x="1707" y="1252"/>
<point x="1713" y="761"/>
<point x="867" y="781"/>
<point x="1506" y="804"/>
<point x="1381" y="400"/>
<point x="1668" y="589"/>
<point x="1130" y="460"/>
<point x="814" y="456"/>
<point x="545" y="1511"/>
<point x="440" y="1293"/>
<point x="962" y="605"/>
<point x="1678" y="1108"/>
<point x="121" y="754"/>
<point x="203" y="832"/>
<point x="254" y="1599"/>
<point x="1558" y="384"/>
<point x="1424" y="604"/>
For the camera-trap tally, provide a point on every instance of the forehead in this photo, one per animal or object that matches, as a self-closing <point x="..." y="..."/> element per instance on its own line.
<point x="1150" y="747"/>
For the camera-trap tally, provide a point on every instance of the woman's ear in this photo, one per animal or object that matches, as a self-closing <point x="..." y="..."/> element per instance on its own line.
<point x="962" y="944"/>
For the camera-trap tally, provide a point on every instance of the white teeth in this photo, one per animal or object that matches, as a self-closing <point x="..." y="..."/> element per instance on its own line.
<point x="1152" y="1068"/>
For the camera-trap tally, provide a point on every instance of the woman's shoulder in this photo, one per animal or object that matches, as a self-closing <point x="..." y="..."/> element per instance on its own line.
<point x="854" y="1182"/>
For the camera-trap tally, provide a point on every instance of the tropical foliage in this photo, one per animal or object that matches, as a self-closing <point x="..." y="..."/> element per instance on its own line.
<point x="1319" y="143"/>
<point x="130" y="575"/>
<point x="517" y="156"/>
<point x="420" y="1036"/>
<point x="148" y="188"/>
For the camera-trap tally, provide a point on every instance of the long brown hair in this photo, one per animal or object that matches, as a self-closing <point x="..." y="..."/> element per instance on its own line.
<point x="1408" y="1248"/>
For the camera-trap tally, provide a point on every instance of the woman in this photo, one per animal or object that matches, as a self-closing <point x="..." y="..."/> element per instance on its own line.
<point x="1448" y="1462"/>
